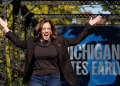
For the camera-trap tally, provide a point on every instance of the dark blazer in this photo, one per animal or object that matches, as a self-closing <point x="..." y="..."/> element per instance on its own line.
<point x="61" y="44"/>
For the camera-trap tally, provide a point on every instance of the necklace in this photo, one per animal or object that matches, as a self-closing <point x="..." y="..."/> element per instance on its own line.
<point x="46" y="44"/>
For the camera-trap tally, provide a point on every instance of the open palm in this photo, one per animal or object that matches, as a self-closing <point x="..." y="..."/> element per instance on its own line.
<point x="93" y="21"/>
<point x="3" y="23"/>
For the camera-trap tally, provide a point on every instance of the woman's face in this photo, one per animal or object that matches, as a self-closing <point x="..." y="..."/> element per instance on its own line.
<point x="46" y="31"/>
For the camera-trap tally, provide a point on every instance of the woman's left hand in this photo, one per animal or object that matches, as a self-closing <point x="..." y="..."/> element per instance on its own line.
<point x="93" y="21"/>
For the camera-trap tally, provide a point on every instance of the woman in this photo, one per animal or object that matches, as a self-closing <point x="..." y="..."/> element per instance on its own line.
<point x="47" y="58"/>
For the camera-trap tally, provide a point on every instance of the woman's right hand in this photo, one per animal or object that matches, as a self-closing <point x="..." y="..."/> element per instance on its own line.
<point x="4" y="24"/>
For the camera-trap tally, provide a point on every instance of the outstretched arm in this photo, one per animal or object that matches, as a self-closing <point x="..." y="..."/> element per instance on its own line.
<point x="88" y="30"/>
<point x="11" y="36"/>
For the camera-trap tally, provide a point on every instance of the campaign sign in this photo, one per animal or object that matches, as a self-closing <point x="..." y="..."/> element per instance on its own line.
<point x="96" y="59"/>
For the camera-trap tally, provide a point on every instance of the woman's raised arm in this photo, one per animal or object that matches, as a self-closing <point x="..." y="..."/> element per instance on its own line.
<point x="11" y="36"/>
<point x="88" y="30"/>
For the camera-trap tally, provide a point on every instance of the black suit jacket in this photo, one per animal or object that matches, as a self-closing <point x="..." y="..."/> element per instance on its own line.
<point x="61" y="44"/>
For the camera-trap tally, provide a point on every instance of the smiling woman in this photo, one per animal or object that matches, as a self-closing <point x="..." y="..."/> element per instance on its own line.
<point x="47" y="59"/>
<point x="46" y="31"/>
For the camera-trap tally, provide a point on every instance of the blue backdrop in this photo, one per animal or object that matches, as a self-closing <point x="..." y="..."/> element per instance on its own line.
<point x="96" y="59"/>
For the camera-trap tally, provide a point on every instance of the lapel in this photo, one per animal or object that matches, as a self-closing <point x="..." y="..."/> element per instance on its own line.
<point x="59" y="51"/>
<point x="33" y="48"/>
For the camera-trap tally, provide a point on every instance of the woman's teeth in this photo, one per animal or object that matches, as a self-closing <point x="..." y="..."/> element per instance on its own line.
<point x="46" y="34"/>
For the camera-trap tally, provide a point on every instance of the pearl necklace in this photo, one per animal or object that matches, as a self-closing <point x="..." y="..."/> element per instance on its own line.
<point x="46" y="44"/>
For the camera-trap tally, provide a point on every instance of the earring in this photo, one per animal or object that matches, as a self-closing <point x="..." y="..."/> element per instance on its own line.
<point x="51" y="33"/>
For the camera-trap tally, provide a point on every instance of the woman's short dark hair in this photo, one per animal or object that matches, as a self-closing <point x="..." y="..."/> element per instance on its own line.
<point x="39" y="26"/>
